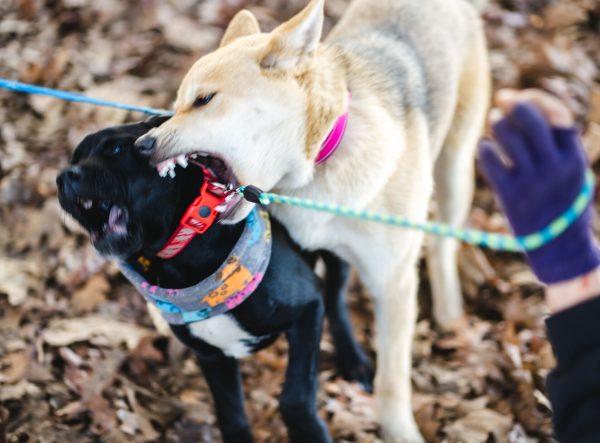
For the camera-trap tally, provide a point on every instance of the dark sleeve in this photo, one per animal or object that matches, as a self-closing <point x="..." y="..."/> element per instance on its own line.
<point x="574" y="385"/>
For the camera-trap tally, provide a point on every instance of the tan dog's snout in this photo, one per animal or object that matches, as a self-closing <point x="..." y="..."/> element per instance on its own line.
<point x="152" y="143"/>
<point x="145" y="144"/>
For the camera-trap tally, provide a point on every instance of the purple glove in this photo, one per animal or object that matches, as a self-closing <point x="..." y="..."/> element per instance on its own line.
<point x="547" y="173"/>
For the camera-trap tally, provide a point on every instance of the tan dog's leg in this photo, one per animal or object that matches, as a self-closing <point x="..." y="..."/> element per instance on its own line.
<point x="393" y="281"/>
<point x="396" y="314"/>
<point x="454" y="181"/>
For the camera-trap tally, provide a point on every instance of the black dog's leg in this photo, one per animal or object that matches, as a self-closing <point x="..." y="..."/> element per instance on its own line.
<point x="223" y="378"/>
<point x="298" y="401"/>
<point x="351" y="361"/>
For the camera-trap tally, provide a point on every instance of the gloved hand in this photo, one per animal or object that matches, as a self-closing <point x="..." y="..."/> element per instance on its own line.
<point x="545" y="175"/>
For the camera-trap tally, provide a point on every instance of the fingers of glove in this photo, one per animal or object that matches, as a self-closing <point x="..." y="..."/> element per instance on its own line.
<point x="534" y="126"/>
<point x="495" y="171"/>
<point x="554" y="110"/>
<point x="569" y="144"/>
<point x="514" y="144"/>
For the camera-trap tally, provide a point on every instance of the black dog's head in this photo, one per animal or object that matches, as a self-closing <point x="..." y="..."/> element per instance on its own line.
<point x="113" y="192"/>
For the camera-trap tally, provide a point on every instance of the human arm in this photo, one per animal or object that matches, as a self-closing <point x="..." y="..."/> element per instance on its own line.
<point x="537" y="171"/>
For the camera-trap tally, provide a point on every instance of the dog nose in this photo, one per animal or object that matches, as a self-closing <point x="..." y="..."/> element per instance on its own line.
<point x="68" y="177"/>
<point x="145" y="144"/>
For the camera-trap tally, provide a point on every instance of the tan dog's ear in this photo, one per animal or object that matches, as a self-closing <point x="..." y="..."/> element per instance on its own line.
<point x="293" y="44"/>
<point x="244" y="23"/>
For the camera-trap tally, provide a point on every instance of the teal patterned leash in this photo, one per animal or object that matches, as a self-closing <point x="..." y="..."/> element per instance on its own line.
<point x="497" y="242"/>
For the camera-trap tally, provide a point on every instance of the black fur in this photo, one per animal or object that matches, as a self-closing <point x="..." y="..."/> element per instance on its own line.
<point x="289" y="299"/>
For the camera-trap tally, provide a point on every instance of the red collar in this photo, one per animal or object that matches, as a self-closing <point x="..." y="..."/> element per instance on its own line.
<point x="198" y="217"/>
<point x="335" y="136"/>
<point x="202" y="213"/>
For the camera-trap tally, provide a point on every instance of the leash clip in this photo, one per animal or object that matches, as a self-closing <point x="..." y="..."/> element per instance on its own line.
<point x="252" y="194"/>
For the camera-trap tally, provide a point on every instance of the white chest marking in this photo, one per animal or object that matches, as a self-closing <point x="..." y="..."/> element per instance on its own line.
<point x="225" y="333"/>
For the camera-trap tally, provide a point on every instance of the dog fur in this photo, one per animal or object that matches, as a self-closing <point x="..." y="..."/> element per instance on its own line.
<point x="419" y="78"/>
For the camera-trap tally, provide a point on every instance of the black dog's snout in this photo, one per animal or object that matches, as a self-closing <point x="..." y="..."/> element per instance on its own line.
<point x="68" y="177"/>
<point x="145" y="144"/>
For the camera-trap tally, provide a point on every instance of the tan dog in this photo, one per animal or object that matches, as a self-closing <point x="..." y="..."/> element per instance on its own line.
<point x="418" y="75"/>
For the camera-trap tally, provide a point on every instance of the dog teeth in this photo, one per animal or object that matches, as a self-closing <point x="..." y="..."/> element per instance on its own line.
<point x="165" y="167"/>
<point x="87" y="203"/>
<point x="182" y="161"/>
<point x="172" y="173"/>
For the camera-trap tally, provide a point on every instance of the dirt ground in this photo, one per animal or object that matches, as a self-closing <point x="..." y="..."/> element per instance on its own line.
<point x="80" y="360"/>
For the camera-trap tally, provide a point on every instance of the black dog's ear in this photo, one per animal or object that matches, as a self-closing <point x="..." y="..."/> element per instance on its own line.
<point x="156" y="120"/>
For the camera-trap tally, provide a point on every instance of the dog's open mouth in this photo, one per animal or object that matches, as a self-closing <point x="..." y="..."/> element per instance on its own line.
<point x="222" y="178"/>
<point x="105" y="218"/>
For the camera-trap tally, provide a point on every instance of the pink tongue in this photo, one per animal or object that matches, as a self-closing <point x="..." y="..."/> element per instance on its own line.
<point x="115" y="220"/>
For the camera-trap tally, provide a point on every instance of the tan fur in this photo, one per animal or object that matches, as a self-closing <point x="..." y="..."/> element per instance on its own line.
<point x="242" y="24"/>
<point x="323" y="107"/>
<point x="419" y="79"/>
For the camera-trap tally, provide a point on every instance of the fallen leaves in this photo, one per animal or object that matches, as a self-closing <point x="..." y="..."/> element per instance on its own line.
<point x="14" y="366"/>
<point x="91" y="295"/>
<point x="480" y="426"/>
<point x="78" y="358"/>
<point x="18" y="278"/>
<point x="96" y="329"/>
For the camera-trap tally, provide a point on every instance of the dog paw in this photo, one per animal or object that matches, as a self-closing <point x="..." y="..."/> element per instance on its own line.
<point x="242" y="435"/>
<point x="402" y="429"/>
<point x="403" y="437"/>
<point x="360" y="371"/>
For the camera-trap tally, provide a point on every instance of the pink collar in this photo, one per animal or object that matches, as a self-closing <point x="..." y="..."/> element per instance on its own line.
<point x="335" y="136"/>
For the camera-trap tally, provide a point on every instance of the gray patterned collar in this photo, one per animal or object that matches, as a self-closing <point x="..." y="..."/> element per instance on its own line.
<point x="222" y="291"/>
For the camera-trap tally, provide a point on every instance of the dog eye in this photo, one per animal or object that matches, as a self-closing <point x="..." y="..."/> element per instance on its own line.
<point x="203" y="100"/>
<point x="115" y="150"/>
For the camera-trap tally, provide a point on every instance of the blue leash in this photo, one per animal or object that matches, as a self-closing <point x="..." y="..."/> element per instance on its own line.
<point x="490" y="240"/>
<point x="73" y="97"/>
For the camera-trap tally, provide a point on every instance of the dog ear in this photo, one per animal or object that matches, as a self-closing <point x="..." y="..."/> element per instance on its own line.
<point x="293" y="44"/>
<point x="244" y="23"/>
<point x="156" y="120"/>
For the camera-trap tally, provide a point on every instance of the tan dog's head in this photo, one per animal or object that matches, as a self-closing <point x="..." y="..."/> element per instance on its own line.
<point x="247" y="104"/>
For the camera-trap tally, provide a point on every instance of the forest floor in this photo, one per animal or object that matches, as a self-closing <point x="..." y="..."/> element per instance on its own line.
<point x="80" y="360"/>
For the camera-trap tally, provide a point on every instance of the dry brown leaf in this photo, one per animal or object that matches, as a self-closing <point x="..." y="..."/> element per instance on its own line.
<point x="18" y="390"/>
<point x="13" y="367"/>
<point x="71" y="410"/>
<point x="96" y="329"/>
<point x="184" y="33"/>
<point x="91" y="295"/>
<point x="563" y="14"/>
<point x="477" y="426"/>
<point x="103" y="415"/>
<point x="18" y="278"/>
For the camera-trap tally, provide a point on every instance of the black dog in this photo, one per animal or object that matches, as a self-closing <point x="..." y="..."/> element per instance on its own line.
<point x="130" y="212"/>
